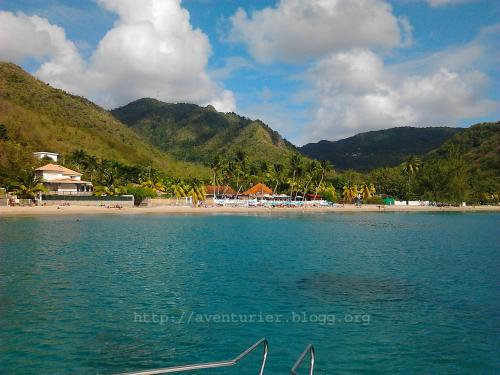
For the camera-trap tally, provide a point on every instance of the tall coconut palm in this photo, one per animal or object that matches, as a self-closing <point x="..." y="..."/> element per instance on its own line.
<point x="324" y="167"/>
<point x="411" y="168"/>
<point x="28" y="185"/>
<point x="295" y="169"/>
<point x="367" y="190"/>
<point x="91" y="167"/>
<point x="277" y="172"/>
<point x="238" y="168"/>
<point x="196" y="191"/>
<point x="108" y="173"/>
<point x="312" y="171"/>
<point x="179" y="188"/>
<point x="412" y="165"/>
<point x="349" y="191"/>
<point x="215" y="166"/>
<point x="79" y="158"/>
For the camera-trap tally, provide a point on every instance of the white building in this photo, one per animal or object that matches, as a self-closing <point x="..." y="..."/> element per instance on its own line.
<point x="46" y="154"/>
<point x="61" y="180"/>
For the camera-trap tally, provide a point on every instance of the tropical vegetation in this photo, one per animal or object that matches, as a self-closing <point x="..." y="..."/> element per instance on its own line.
<point x="175" y="150"/>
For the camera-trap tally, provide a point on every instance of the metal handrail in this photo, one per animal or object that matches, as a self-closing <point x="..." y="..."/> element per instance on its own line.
<point x="200" y="366"/>
<point x="308" y="349"/>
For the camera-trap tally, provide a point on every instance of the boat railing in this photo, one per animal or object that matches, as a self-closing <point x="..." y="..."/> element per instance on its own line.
<point x="169" y="370"/>
<point x="308" y="350"/>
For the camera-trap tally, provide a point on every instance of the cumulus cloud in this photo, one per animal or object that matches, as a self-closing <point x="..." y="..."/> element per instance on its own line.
<point x="23" y="36"/>
<point x="297" y="30"/>
<point x="151" y="51"/>
<point x="355" y="91"/>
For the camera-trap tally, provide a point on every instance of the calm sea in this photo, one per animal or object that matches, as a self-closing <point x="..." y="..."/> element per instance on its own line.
<point x="408" y="293"/>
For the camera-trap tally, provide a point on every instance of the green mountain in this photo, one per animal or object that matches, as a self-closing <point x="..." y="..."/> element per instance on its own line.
<point x="381" y="148"/>
<point x="194" y="133"/>
<point x="37" y="117"/>
<point x="479" y="146"/>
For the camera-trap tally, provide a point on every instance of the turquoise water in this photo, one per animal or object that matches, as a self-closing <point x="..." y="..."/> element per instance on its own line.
<point x="375" y="293"/>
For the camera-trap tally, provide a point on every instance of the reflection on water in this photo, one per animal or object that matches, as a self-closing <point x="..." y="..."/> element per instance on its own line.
<point x="357" y="287"/>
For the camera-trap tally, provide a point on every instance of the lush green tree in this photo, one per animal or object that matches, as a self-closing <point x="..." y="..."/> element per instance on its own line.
<point x="328" y="192"/>
<point x="109" y="191"/>
<point x="389" y="181"/>
<point x="140" y="193"/>
<point x="445" y="179"/>
<point x="14" y="158"/>
<point x="28" y="185"/>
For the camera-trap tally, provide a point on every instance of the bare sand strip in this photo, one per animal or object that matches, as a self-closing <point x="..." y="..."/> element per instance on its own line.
<point x="166" y="210"/>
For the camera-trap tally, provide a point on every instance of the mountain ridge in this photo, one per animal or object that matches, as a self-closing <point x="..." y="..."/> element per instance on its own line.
<point x="37" y="117"/>
<point x="379" y="148"/>
<point x="194" y="133"/>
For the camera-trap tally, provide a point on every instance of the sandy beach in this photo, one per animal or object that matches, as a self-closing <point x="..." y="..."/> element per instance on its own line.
<point x="166" y="210"/>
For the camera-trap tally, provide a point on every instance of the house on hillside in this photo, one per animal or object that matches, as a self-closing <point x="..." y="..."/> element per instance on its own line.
<point x="63" y="181"/>
<point x="46" y="155"/>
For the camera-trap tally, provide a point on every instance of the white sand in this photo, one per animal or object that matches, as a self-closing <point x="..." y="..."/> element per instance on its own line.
<point x="166" y="210"/>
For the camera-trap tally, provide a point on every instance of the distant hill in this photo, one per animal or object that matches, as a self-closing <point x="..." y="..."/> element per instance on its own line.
<point x="38" y="117"/>
<point x="381" y="148"/>
<point x="194" y="133"/>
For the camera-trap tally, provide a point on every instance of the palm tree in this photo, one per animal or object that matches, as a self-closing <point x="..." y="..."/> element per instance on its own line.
<point x="412" y="165"/>
<point x="28" y="186"/>
<point x="349" y="191"/>
<point x="324" y="167"/>
<point x="196" y="191"/>
<point x="109" y="191"/>
<point x="277" y="171"/>
<point x="367" y="190"/>
<point x="178" y="188"/>
<point x="91" y="166"/>
<point x="330" y="190"/>
<point x="156" y="185"/>
<point x="239" y="169"/>
<point x="295" y="169"/>
<point x="313" y="170"/>
<point x="216" y="166"/>
<point x="79" y="158"/>
<point x="411" y="168"/>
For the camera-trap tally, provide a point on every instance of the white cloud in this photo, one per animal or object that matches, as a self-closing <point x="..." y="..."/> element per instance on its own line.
<point x="151" y="51"/>
<point x="354" y="92"/>
<point x="297" y="30"/>
<point x="23" y="36"/>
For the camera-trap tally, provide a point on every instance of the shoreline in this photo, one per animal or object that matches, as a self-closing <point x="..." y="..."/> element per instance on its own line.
<point x="167" y="210"/>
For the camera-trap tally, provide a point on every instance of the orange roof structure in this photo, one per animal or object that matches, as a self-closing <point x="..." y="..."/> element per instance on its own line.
<point x="258" y="189"/>
<point x="58" y="168"/>
<point x="223" y="189"/>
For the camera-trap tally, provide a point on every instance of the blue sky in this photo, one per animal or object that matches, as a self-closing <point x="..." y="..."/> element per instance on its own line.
<point x="437" y="64"/>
